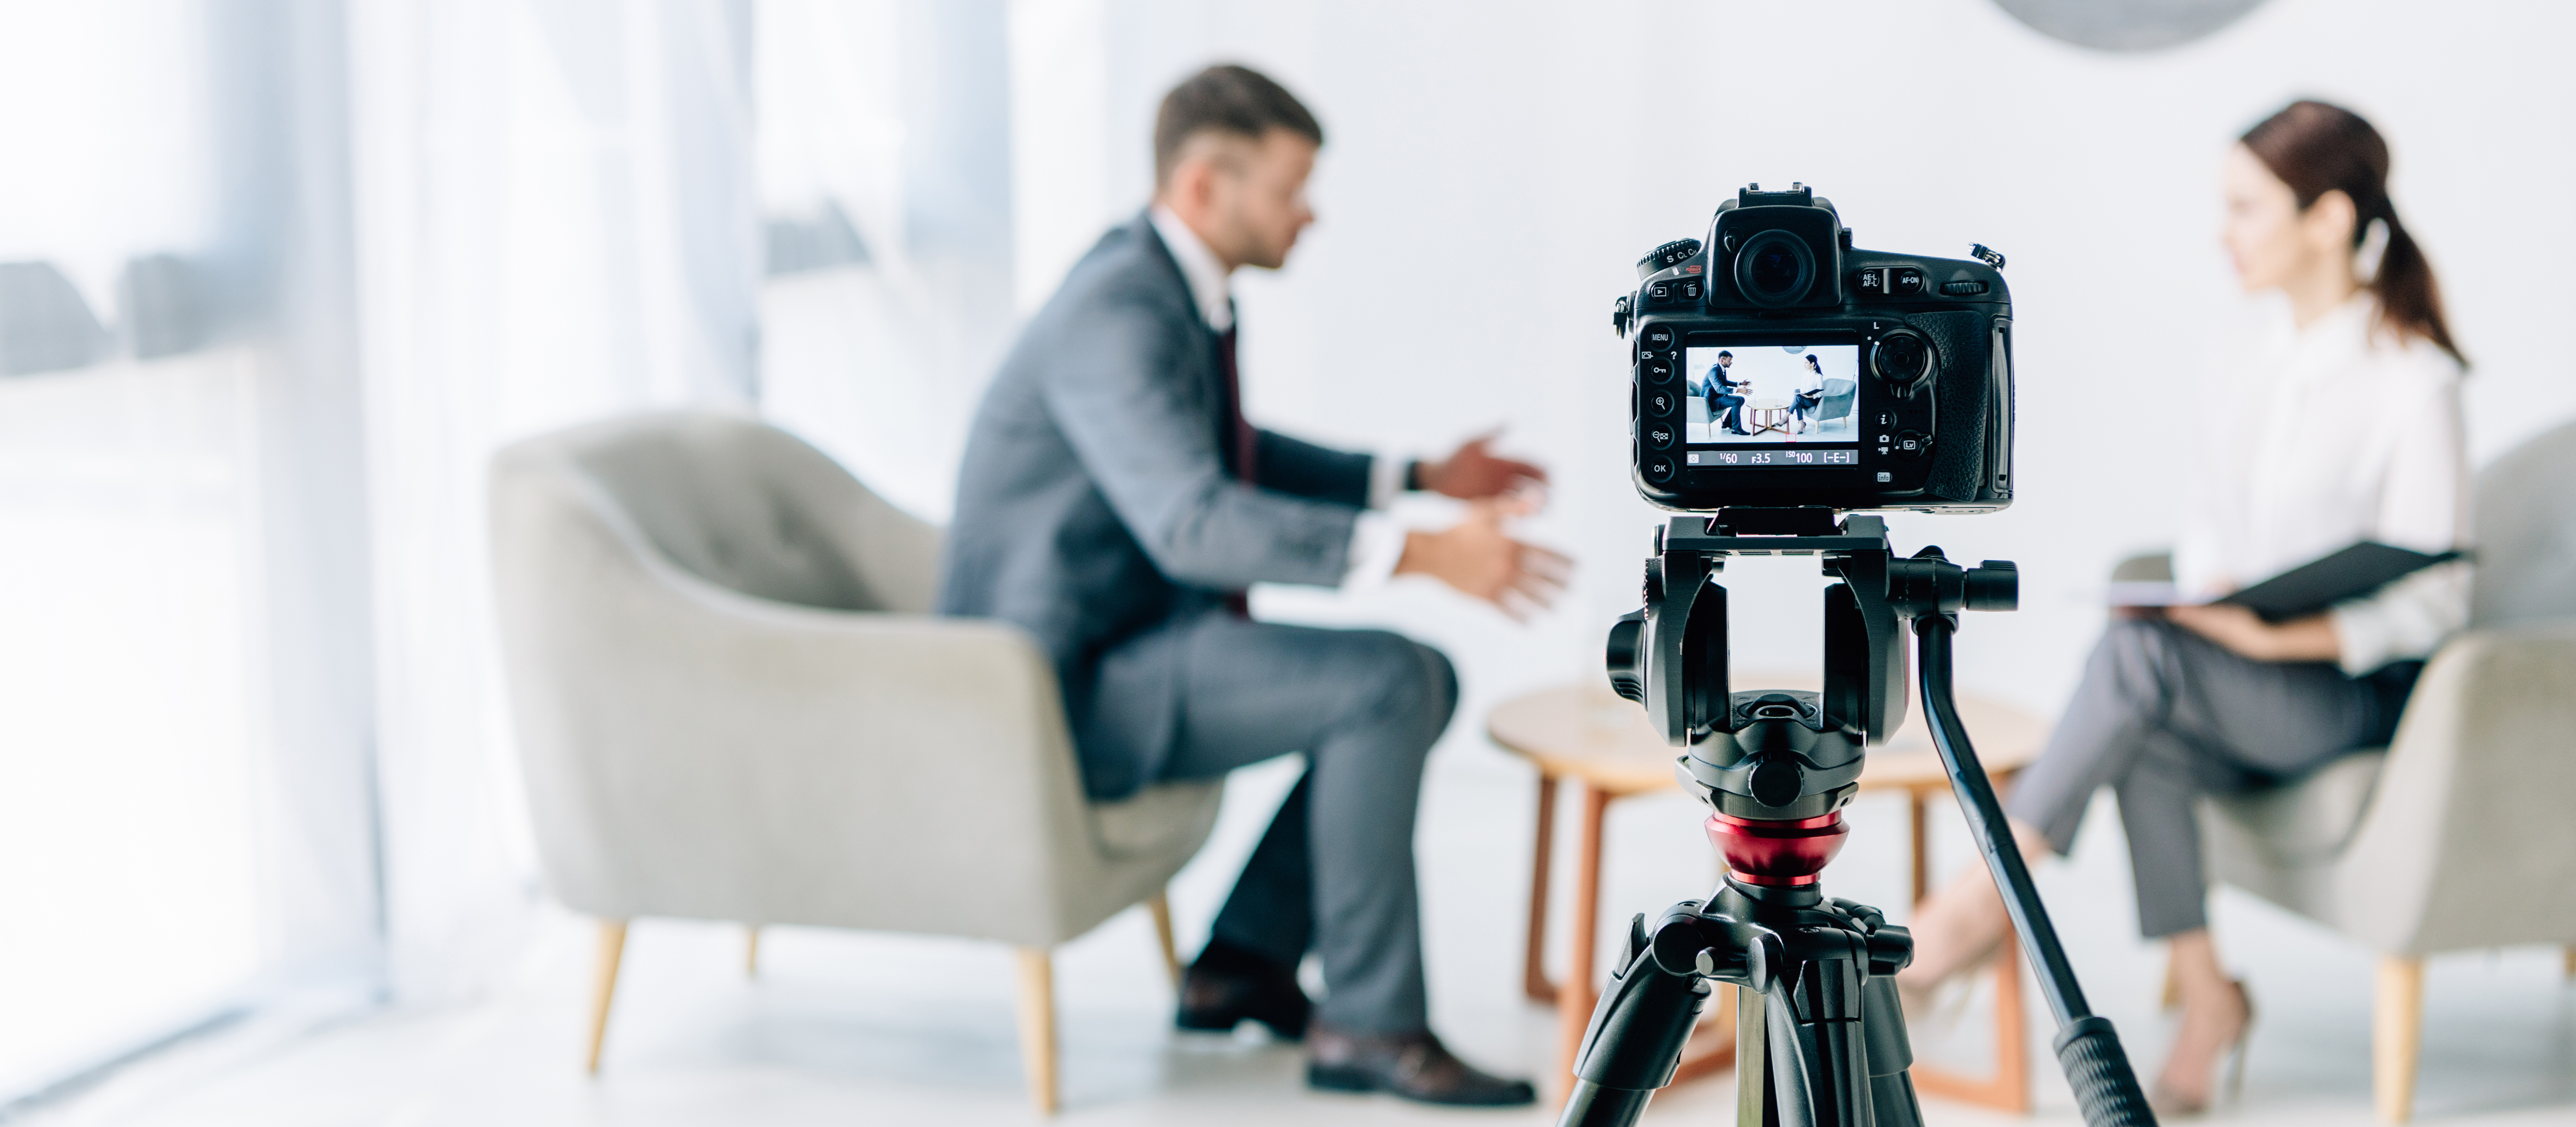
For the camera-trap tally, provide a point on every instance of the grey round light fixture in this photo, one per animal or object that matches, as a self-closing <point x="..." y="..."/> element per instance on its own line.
<point x="2127" y="25"/>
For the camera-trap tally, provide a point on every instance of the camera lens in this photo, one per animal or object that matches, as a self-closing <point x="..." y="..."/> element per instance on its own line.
<point x="1775" y="268"/>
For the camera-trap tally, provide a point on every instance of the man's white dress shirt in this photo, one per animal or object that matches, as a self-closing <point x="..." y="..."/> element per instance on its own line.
<point x="1377" y="540"/>
<point x="2322" y="437"/>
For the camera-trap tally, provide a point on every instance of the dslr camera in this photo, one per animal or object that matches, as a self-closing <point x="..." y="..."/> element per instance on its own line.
<point x="1776" y="366"/>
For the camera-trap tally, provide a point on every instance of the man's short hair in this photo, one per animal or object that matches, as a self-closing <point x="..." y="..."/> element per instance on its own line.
<point x="1229" y="99"/>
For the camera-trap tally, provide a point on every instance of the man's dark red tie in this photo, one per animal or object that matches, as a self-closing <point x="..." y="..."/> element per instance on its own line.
<point x="1239" y="437"/>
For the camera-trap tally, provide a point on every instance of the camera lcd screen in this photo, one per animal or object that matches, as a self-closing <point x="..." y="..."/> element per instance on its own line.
<point x="1772" y="405"/>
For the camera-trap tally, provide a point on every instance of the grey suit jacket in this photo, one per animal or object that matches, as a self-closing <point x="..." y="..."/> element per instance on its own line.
<point x="1096" y="508"/>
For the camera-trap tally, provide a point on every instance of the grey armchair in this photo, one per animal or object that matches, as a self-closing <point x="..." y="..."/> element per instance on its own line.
<point x="732" y="704"/>
<point x="2457" y="836"/>
<point x="1839" y="398"/>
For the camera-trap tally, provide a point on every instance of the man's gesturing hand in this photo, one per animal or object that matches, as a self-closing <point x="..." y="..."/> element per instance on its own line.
<point x="1473" y="472"/>
<point x="1477" y="557"/>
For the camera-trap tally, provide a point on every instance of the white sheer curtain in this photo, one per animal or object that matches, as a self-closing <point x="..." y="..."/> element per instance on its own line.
<point x="555" y="221"/>
<point x="185" y="824"/>
<point x="894" y="117"/>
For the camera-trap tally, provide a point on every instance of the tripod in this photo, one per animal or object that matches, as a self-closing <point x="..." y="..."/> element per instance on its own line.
<point x="1820" y="1033"/>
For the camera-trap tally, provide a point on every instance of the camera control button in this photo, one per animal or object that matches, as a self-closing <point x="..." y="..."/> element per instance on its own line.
<point x="1659" y="435"/>
<point x="1658" y="338"/>
<point x="1912" y="444"/>
<point x="1658" y="468"/>
<point x="1689" y="290"/>
<point x="1660" y="291"/>
<point x="1905" y="280"/>
<point x="1658" y="370"/>
<point x="1660" y="403"/>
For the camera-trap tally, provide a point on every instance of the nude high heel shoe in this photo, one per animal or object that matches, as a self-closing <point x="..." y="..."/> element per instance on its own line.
<point x="2169" y="1104"/>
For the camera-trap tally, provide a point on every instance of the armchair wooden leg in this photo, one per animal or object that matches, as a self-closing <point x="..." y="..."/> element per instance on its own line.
<point x="751" y="951"/>
<point x="2397" y="1020"/>
<point x="2569" y="955"/>
<point x="612" y="947"/>
<point x="1037" y="1026"/>
<point x="1161" y="906"/>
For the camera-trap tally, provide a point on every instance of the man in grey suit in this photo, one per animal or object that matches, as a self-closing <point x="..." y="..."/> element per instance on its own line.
<point x="1115" y="502"/>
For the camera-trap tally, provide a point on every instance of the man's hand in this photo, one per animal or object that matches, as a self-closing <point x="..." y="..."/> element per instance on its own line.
<point x="2241" y="630"/>
<point x="1477" y="557"/>
<point x="1473" y="473"/>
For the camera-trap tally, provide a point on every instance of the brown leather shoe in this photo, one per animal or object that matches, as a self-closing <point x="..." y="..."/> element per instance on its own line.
<point x="1229" y="985"/>
<point x="1415" y="1066"/>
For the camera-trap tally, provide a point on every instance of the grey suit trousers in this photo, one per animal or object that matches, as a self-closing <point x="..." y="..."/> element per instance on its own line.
<point x="1334" y="873"/>
<point x="2163" y="716"/>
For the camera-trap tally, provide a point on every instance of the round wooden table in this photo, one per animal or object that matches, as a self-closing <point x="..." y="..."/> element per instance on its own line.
<point x="1603" y="745"/>
<point x="1765" y="414"/>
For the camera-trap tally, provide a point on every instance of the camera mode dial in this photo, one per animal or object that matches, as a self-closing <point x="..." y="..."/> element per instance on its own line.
<point x="1903" y="360"/>
<point x="1666" y="257"/>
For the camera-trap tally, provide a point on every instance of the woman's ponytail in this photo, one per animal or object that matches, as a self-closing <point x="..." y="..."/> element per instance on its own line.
<point x="2410" y="300"/>
<point x="2317" y="148"/>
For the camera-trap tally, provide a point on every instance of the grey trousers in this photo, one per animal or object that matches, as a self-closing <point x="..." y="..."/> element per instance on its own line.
<point x="1334" y="872"/>
<point x="2164" y="716"/>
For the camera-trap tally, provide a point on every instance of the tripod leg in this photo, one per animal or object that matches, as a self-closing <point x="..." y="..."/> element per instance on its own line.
<point x="1635" y="1039"/>
<point x="1797" y="1064"/>
<point x="1891" y="1055"/>
<point x="1752" y="1071"/>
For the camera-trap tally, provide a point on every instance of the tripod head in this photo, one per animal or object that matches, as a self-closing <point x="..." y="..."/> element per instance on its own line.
<point x="1779" y="754"/>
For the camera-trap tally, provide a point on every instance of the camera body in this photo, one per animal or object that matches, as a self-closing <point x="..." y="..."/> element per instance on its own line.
<point x="1774" y="365"/>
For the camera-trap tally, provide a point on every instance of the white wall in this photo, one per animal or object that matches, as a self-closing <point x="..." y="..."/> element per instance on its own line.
<point x="1492" y="171"/>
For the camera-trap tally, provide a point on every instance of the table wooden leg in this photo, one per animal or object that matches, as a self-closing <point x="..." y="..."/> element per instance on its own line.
<point x="1922" y="846"/>
<point x="2008" y="1089"/>
<point x="1575" y="995"/>
<point x="1534" y="961"/>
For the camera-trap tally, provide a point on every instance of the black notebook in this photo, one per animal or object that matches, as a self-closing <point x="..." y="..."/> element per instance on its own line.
<point x="2303" y="590"/>
<point x="2349" y="574"/>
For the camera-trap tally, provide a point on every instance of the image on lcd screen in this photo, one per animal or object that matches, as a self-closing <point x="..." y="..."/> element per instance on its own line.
<point x="1771" y="395"/>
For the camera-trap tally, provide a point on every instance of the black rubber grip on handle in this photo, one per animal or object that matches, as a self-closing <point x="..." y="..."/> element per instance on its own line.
<point x="2105" y="1088"/>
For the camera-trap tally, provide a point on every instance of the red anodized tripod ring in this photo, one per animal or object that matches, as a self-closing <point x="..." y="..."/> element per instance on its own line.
<point x="1777" y="854"/>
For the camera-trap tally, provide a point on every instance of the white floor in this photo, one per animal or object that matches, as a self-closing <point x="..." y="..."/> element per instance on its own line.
<point x="843" y="1028"/>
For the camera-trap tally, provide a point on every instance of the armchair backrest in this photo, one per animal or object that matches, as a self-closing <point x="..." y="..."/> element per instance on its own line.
<point x="2526" y="533"/>
<point x="751" y="509"/>
<point x="1839" y="397"/>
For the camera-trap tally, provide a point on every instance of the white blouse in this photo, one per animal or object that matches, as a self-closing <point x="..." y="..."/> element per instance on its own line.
<point x="2322" y="437"/>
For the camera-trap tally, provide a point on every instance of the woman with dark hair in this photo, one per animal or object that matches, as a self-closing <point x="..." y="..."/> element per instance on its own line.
<point x="1808" y="394"/>
<point x="2352" y="432"/>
